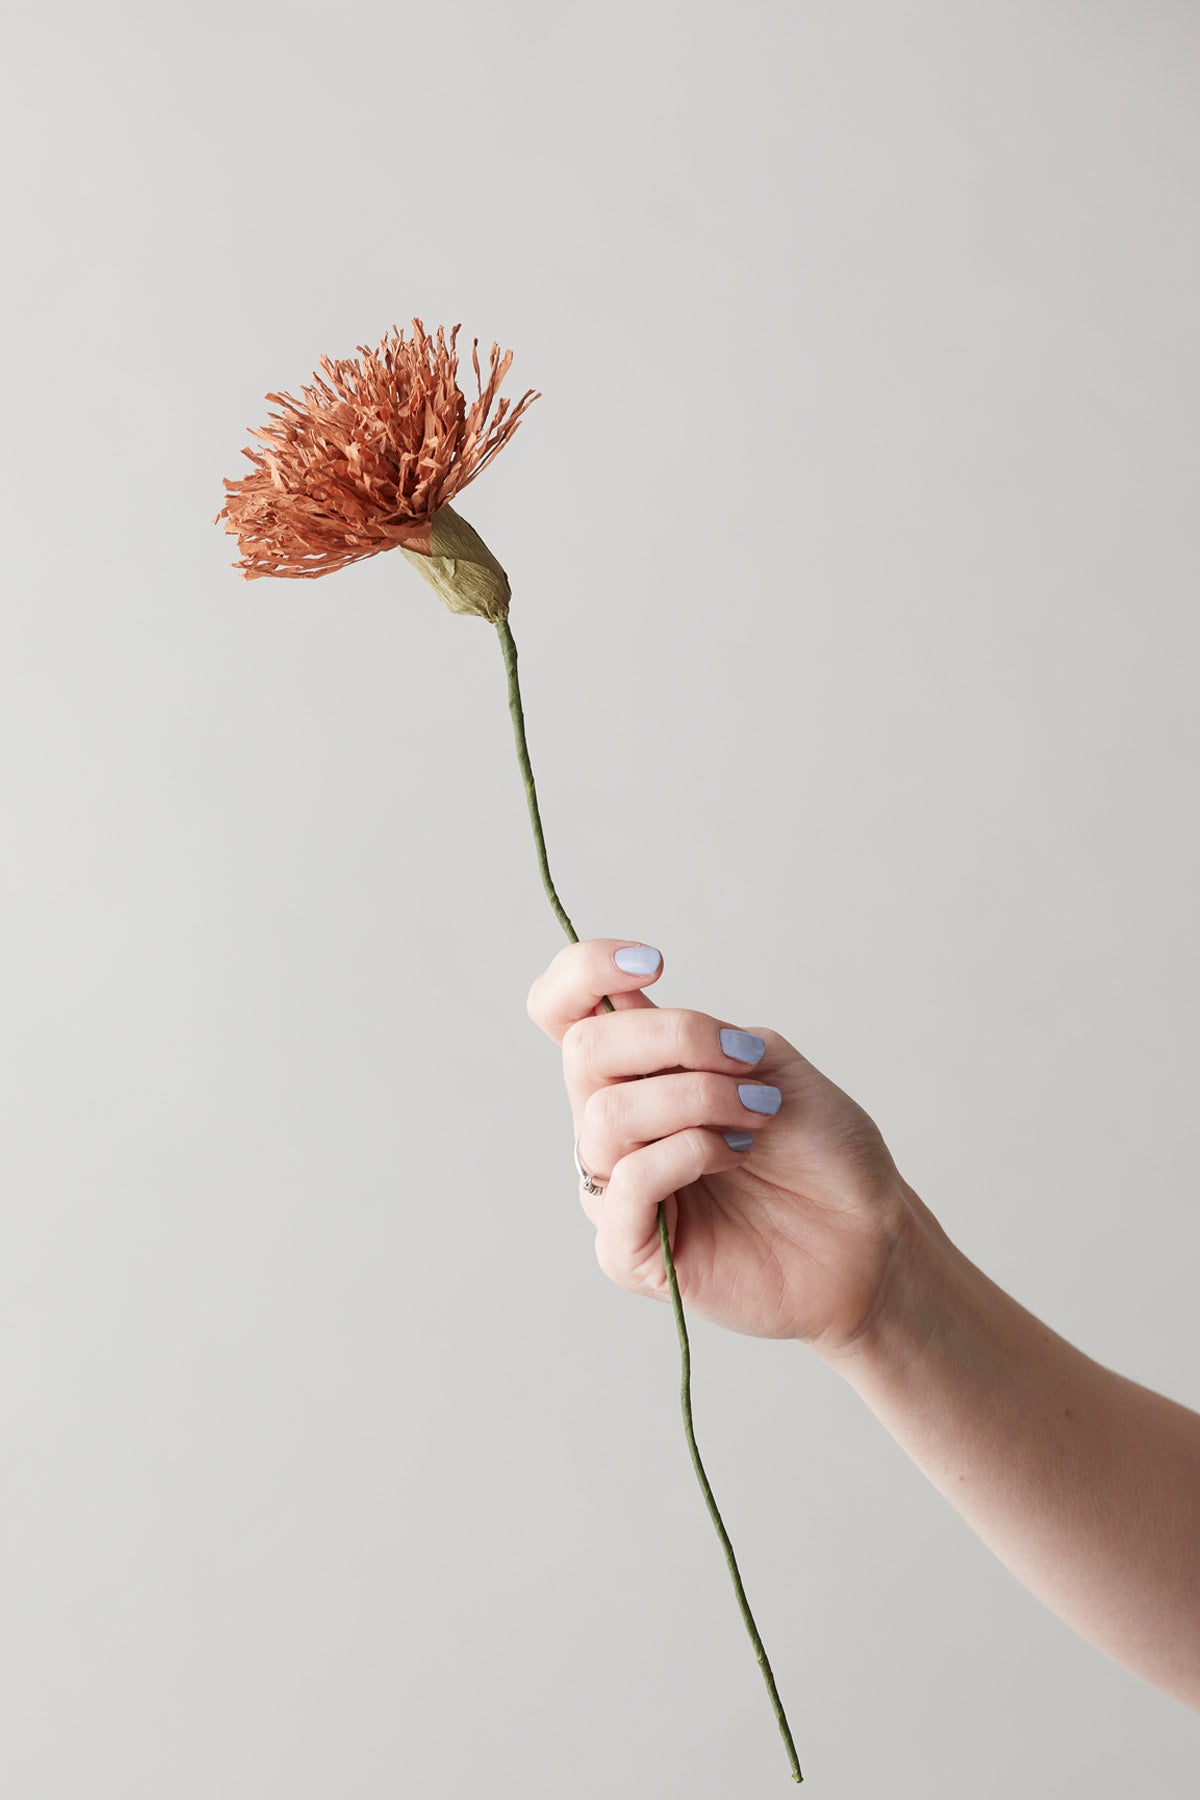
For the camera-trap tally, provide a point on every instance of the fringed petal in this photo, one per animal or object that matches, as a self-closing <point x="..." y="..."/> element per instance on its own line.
<point x="373" y="449"/>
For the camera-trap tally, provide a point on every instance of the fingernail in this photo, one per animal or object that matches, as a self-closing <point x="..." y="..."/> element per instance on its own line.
<point x="739" y="1140"/>
<point x="637" y="959"/>
<point x="758" y="1097"/>
<point x="743" y="1045"/>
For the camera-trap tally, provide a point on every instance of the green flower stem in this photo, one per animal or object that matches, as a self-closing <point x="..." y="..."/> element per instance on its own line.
<point x="509" y="649"/>
<point x="685" y="1396"/>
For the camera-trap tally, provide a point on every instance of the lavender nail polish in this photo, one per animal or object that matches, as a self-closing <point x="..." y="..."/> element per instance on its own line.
<point x="757" y="1097"/>
<point x="739" y="1140"/>
<point x="742" y="1045"/>
<point x="637" y="959"/>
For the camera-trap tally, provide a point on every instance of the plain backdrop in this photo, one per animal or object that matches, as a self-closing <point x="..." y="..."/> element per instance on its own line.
<point x="854" y="548"/>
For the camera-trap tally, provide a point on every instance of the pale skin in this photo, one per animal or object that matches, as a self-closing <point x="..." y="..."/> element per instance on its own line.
<point x="1084" y="1484"/>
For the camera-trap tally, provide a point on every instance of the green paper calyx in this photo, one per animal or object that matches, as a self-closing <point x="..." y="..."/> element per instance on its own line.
<point x="461" y="569"/>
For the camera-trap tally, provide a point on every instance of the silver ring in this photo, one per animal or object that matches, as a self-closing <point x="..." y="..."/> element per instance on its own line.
<point x="590" y="1184"/>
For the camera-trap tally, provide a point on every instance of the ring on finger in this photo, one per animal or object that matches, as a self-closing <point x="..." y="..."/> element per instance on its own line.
<point x="590" y="1184"/>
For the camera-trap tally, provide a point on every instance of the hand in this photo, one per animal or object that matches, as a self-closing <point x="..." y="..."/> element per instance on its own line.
<point x="792" y="1236"/>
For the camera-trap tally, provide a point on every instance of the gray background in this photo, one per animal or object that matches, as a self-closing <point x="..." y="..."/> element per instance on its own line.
<point x="855" y="556"/>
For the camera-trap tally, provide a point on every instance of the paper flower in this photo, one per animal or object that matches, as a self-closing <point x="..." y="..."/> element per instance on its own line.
<point x="368" y="461"/>
<point x="369" y="458"/>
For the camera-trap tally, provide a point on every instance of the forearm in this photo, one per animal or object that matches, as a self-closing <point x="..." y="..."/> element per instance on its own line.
<point x="1084" y="1484"/>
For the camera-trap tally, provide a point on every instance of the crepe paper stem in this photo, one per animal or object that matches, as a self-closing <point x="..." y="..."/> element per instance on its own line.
<point x="685" y="1397"/>
<point x="509" y="650"/>
<point x="508" y="647"/>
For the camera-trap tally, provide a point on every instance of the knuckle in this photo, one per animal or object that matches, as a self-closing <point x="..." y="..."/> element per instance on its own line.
<point x="611" y="1264"/>
<point x="603" y="1255"/>
<point x="695" y="1151"/>
<point x="577" y="1045"/>
<point x="694" y="1038"/>
<point x="706" y="1094"/>
<point x="605" y="1110"/>
<point x="680" y="1037"/>
<point x="649" y="1277"/>
<point x="561" y="960"/>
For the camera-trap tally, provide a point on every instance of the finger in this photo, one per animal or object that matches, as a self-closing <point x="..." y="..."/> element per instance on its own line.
<point x="582" y="974"/>
<point x="607" y="1047"/>
<point x="625" y="1115"/>
<point x="628" y="1248"/>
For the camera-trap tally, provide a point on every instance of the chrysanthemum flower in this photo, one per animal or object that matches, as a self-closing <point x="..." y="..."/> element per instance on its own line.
<point x="369" y="459"/>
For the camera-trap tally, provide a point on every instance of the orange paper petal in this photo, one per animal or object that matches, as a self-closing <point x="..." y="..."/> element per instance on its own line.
<point x="362" y="462"/>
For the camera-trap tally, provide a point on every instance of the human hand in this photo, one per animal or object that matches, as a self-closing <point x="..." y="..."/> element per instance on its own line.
<point x="792" y="1236"/>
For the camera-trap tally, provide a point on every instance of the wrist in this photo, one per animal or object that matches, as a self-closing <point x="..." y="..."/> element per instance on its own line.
<point x="922" y="1300"/>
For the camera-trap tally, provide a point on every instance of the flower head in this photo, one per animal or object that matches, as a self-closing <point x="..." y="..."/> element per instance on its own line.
<point x="369" y="456"/>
